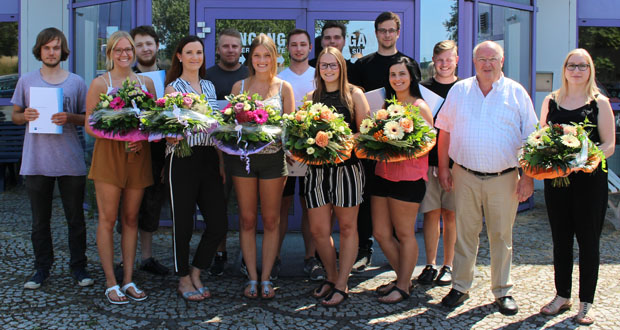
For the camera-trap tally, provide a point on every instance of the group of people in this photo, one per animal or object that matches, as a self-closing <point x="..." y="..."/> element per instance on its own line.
<point x="472" y="172"/>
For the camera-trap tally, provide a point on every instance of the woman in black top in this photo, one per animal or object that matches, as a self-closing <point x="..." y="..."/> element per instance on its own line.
<point x="579" y="209"/>
<point x="338" y="188"/>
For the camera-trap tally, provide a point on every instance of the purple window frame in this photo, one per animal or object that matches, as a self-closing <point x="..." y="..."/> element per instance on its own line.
<point x="468" y="30"/>
<point x="6" y="101"/>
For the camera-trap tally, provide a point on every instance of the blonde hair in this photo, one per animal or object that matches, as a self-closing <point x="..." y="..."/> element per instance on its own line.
<point x="112" y="41"/>
<point x="265" y="41"/>
<point x="442" y="46"/>
<point x="591" y="89"/>
<point x="344" y="87"/>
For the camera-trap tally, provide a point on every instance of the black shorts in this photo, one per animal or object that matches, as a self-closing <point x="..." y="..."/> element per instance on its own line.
<point x="289" y="188"/>
<point x="406" y="191"/>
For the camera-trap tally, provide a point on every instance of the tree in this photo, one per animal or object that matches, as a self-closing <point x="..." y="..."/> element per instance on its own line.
<point x="8" y="39"/>
<point x="452" y="23"/>
<point x="171" y="21"/>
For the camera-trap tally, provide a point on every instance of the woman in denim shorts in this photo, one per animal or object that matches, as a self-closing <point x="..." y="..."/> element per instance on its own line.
<point x="267" y="173"/>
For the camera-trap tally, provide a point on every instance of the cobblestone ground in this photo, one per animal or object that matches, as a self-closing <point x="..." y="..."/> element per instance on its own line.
<point x="60" y="304"/>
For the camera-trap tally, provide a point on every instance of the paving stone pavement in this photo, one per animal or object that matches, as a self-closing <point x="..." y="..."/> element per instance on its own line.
<point x="61" y="304"/>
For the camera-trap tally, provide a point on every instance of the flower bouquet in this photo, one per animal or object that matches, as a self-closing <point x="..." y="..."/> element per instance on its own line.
<point x="554" y="151"/>
<point x="315" y="134"/>
<point x="247" y="126"/>
<point x="178" y="115"/>
<point x="396" y="134"/>
<point x="116" y="115"/>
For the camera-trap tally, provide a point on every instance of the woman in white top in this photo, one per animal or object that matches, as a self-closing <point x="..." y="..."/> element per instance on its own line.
<point x="195" y="179"/>
<point x="267" y="169"/>
<point x="118" y="173"/>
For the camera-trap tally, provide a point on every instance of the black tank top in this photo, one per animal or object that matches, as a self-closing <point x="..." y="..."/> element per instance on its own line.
<point x="332" y="99"/>
<point x="559" y="115"/>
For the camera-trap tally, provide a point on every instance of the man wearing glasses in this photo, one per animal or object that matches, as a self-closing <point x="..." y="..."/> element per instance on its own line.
<point x="372" y="72"/>
<point x="483" y="123"/>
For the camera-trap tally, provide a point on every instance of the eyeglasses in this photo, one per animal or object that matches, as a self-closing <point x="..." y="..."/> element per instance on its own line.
<point x="333" y="66"/>
<point x="127" y="51"/>
<point x="582" y="67"/>
<point x="386" y="31"/>
<point x="492" y="60"/>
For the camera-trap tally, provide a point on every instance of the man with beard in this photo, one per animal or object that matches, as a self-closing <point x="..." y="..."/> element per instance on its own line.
<point x="48" y="158"/>
<point x="224" y="75"/>
<point x="147" y="44"/>
<point x="301" y="77"/>
<point x="334" y="34"/>
<point x="372" y="72"/>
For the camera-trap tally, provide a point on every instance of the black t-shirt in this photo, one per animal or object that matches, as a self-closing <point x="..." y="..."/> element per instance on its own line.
<point x="441" y="90"/>
<point x="224" y="80"/>
<point x="372" y="71"/>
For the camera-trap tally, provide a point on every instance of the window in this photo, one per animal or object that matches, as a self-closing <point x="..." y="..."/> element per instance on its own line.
<point x="438" y="21"/>
<point x="9" y="61"/>
<point x="511" y="28"/>
<point x="92" y="27"/>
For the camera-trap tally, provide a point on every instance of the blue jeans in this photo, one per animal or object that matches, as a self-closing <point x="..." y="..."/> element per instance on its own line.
<point x="40" y="191"/>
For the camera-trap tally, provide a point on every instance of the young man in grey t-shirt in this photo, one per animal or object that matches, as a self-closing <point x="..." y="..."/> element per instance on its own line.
<point x="48" y="158"/>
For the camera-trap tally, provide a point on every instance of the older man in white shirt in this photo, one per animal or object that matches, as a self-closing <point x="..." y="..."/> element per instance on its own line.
<point x="483" y="123"/>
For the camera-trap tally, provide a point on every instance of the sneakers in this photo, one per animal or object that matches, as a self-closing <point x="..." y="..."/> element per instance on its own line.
<point x="82" y="277"/>
<point x="37" y="279"/>
<point x="314" y="269"/>
<point x="428" y="275"/>
<point x="153" y="266"/>
<point x="219" y="263"/>
<point x="275" y="270"/>
<point x="362" y="261"/>
<point x="444" y="277"/>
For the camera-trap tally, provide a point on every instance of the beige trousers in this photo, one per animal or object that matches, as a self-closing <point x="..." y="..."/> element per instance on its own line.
<point x="494" y="198"/>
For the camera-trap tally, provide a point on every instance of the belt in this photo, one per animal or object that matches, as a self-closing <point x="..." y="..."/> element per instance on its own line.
<point x="476" y="173"/>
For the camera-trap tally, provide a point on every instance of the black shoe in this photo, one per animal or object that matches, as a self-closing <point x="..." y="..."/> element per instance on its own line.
<point x="118" y="272"/>
<point x="275" y="270"/>
<point x="153" y="266"/>
<point x="314" y="268"/>
<point x="37" y="279"/>
<point x="362" y="261"/>
<point x="444" y="277"/>
<point x="219" y="263"/>
<point x="427" y="276"/>
<point x="454" y="298"/>
<point x="82" y="277"/>
<point x="507" y="305"/>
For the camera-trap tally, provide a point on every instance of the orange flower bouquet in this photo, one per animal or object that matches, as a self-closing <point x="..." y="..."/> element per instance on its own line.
<point x="316" y="134"/>
<point x="395" y="134"/>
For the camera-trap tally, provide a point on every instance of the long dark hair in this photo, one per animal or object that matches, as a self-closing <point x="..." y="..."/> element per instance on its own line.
<point x="344" y="87"/>
<point x="176" y="68"/>
<point x="414" y="88"/>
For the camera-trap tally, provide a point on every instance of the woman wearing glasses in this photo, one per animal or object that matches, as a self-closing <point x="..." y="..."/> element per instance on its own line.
<point x="579" y="209"/>
<point x="337" y="188"/>
<point x="120" y="175"/>
<point x="197" y="179"/>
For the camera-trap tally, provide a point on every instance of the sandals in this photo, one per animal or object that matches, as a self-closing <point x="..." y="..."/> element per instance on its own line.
<point x="119" y="294"/>
<point x="253" y="293"/>
<point x="264" y="293"/>
<point x="556" y="306"/>
<point x="403" y="296"/>
<point x="129" y="285"/>
<point x="385" y="288"/>
<point x="204" y="290"/>
<point x="315" y="293"/>
<point x="582" y="317"/>
<point x="188" y="294"/>
<point x="329" y="297"/>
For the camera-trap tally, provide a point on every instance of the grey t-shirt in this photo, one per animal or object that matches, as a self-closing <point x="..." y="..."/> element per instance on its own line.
<point x="53" y="154"/>
<point x="224" y="80"/>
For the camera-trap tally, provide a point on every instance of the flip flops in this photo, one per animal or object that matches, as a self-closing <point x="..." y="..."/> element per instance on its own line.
<point x="329" y="297"/>
<point x="315" y="293"/>
<point x="385" y="288"/>
<point x="136" y="290"/>
<point x="186" y="295"/>
<point x="119" y="294"/>
<point x="253" y="293"/>
<point x="403" y="296"/>
<point x="265" y="290"/>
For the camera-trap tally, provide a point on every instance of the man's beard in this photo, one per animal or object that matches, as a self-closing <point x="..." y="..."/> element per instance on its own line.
<point x="301" y="60"/>
<point x="229" y="65"/>
<point x="51" y="65"/>
<point x="147" y="63"/>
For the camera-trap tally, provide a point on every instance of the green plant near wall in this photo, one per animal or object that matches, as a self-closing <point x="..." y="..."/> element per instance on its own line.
<point x="171" y="21"/>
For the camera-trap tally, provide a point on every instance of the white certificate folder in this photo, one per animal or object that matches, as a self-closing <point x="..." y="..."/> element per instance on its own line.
<point x="47" y="101"/>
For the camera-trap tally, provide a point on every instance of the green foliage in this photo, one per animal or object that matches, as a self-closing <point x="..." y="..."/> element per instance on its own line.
<point x="452" y="23"/>
<point x="171" y="21"/>
<point x="8" y="38"/>
<point x="603" y="44"/>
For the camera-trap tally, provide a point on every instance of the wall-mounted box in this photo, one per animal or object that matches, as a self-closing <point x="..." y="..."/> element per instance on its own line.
<point x="544" y="81"/>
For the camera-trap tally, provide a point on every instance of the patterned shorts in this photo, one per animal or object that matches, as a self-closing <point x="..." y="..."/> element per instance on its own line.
<point x="340" y="185"/>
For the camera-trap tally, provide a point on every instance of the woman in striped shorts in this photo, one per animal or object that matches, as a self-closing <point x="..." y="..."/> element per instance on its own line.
<point x="335" y="188"/>
<point x="195" y="179"/>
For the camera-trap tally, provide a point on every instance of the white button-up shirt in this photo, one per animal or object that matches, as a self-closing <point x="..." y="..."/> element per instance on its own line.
<point x="486" y="132"/>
